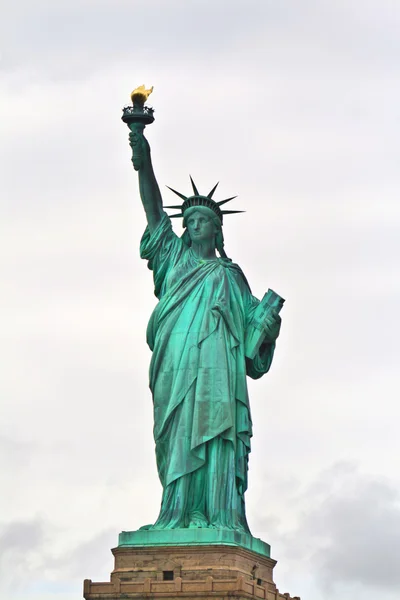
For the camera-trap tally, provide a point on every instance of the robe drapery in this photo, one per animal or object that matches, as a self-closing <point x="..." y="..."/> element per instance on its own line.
<point x="202" y="422"/>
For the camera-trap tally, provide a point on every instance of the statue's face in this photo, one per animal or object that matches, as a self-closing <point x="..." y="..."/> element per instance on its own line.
<point x="200" y="226"/>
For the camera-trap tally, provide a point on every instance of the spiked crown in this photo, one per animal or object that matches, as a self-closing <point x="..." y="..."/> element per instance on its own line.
<point x="199" y="200"/>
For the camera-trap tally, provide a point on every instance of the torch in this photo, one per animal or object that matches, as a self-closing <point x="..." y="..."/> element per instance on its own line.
<point x="137" y="117"/>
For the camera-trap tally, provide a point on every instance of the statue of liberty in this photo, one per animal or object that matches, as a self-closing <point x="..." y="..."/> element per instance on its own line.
<point x="199" y="335"/>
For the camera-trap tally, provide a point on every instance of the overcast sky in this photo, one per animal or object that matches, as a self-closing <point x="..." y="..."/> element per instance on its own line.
<point x="294" y="105"/>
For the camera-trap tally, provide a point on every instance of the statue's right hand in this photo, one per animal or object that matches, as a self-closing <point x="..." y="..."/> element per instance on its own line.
<point x="137" y="138"/>
<point x="140" y="149"/>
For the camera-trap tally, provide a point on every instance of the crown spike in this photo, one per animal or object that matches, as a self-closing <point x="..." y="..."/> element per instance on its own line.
<point x="199" y="200"/>
<point x="225" y="201"/>
<point x="177" y="193"/>
<point x="195" y="190"/>
<point x="210" y="195"/>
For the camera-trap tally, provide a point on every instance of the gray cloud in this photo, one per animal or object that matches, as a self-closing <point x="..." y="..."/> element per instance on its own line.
<point x="20" y="544"/>
<point x="30" y="561"/>
<point x="85" y="37"/>
<point x="15" y="536"/>
<point x="91" y="559"/>
<point x="347" y="532"/>
<point x="16" y="454"/>
<point x="359" y="527"/>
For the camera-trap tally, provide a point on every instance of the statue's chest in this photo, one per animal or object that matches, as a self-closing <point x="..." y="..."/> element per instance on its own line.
<point x="189" y="268"/>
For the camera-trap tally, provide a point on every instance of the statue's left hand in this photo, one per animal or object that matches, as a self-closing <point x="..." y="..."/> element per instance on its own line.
<point x="272" y="326"/>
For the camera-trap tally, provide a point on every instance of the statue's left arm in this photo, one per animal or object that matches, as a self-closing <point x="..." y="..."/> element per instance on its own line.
<point x="260" y="364"/>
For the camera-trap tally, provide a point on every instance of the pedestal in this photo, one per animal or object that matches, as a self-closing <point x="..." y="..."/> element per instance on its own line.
<point x="180" y="569"/>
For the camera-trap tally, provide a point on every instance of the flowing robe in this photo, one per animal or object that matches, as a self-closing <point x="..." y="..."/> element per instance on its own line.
<point x="202" y="422"/>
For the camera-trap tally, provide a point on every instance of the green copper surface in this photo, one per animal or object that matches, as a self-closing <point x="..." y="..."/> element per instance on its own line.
<point x="202" y="424"/>
<point x="199" y="366"/>
<point x="193" y="537"/>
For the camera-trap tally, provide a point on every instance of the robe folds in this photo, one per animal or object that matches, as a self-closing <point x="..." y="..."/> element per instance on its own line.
<point x="202" y="421"/>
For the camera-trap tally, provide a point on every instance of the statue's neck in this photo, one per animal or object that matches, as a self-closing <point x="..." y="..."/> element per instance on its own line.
<point x="204" y="250"/>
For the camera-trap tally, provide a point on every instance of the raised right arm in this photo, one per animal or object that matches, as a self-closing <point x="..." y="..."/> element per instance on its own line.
<point x="148" y="186"/>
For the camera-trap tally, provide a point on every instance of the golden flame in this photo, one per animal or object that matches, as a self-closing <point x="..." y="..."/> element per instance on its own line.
<point x="140" y="94"/>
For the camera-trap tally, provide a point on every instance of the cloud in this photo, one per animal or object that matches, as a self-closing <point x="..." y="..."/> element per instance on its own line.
<point x="15" y="454"/>
<point x="358" y="528"/>
<point x="31" y="560"/>
<point x="348" y="531"/>
<point x="21" y="545"/>
<point x="91" y="559"/>
<point x="87" y="37"/>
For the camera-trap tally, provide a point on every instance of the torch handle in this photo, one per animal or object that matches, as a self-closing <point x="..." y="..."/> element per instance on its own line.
<point x="136" y="142"/>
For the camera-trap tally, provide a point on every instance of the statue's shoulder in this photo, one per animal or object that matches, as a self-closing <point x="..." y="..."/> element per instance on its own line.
<point x="236" y="272"/>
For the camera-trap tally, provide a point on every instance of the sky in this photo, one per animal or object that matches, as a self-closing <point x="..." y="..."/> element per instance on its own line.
<point x="294" y="107"/>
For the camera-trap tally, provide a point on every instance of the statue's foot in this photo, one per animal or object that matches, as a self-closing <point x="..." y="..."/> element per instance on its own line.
<point x="197" y="521"/>
<point x="241" y="529"/>
<point x="238" y="527"/>
<point x="145" y="527"/>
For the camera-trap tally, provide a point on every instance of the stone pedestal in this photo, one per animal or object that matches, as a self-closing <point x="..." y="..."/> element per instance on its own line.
<point x="188" y="571"/>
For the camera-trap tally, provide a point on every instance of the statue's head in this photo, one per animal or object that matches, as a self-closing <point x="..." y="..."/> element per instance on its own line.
<point x="201" y="224"/>
<point x="202" y="217"/>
